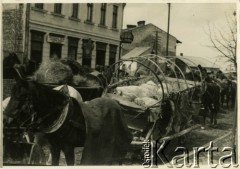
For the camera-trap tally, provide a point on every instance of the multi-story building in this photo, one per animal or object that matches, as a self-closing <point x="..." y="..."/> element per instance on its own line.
<point x="13" y="29"/>
<point x="149" y="35"/>
<point x="86" y="32"/>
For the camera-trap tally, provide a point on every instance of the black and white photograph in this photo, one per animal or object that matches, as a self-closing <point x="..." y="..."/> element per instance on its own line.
<point x="148" y="84"/>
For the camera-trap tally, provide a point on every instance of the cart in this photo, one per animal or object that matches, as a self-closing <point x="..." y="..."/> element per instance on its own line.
<point x="171" y="115"/>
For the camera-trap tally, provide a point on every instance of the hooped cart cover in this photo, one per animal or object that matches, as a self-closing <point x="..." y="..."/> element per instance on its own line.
<point x="194" y="61"/>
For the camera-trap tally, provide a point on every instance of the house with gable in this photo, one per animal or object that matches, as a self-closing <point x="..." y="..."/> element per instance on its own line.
<point x="151" y="36"/>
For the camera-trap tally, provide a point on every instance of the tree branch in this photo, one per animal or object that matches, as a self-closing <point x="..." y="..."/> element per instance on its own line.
<point x="224" y="41"/>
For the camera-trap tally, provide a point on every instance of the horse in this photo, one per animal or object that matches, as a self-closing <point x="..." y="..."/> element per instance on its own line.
<point x="210" y="99"/>
<point x="8" y="63"/>
<point x="226" y="88"/>
<point x="27" y="67"/>
<point x="98" y="125"/>
<point x="108" y="73"/>
<point x="37" y="140"/>
<point x="233" y="93"/>
<point x="13" y="133"/>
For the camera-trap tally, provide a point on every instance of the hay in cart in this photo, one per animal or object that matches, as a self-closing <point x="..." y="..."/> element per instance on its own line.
<point x="62" y="72"/>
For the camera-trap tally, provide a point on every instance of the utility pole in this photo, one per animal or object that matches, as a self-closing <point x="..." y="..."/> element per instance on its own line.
<point x="169" y="7"/>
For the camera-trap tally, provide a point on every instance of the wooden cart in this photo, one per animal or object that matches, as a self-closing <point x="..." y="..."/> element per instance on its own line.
<point x="172" y="115"/>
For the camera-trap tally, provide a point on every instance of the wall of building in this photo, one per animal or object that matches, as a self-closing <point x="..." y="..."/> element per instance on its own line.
<point x="45" y="21"/>
<point x="47" y="18"/>
<point x="146" y="36"/>
<point x="46" y="45"/>
<point x="13" y="30"/>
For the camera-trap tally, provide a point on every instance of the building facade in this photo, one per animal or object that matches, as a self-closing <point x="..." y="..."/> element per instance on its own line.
<point x="13" y="28"/>
<point x="148" y="35"/>
<point x="86" y="32"/>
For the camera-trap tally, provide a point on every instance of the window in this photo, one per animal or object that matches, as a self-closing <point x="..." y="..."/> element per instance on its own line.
<point x="112" y="54"/>
<point x="58" y="8"/>
<point x="89" y="12"/>
<point x="100" y="53"/>
<point x="55" y="51"/>
<point x="115" y="16"/>
<point x="36" y="49"/>
<point x="72" y="48"/>
<point x="103" y="14"/>
<point x="75" y="10"/>
<point x="39" y="6"/>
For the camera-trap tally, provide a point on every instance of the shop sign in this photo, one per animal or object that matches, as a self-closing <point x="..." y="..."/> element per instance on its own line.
<point x="56" y="39"/>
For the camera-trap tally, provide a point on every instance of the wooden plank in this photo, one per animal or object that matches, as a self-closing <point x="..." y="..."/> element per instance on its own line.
<point x="181" y="133"/>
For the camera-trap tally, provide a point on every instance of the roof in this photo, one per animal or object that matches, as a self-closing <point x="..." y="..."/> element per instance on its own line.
<point x="194" y="61"/>
<point x="149" y="24"/>
<point x="137" y="51"/>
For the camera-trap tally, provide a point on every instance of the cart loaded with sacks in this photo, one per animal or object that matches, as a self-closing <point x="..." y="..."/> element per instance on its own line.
<point x="160" y="96"/>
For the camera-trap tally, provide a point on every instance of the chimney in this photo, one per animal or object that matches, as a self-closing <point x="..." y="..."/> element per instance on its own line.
<point x="141" y="23"/>
<point x="131" y="26"/>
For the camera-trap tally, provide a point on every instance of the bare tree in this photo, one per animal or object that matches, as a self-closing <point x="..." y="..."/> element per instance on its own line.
<point x="224" y="40"/>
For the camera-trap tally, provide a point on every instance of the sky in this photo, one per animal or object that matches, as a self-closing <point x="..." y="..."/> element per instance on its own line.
<point x="188" y="23"/>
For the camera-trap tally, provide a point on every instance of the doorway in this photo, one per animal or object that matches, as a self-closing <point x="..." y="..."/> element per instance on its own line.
<point x="100" y="58"/>
<point x="55" y="50"/>
<point x="100" y="53"/>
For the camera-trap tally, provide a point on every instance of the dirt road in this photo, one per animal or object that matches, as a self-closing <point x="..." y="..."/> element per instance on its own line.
<point x="196" y="138"/>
